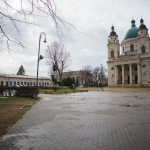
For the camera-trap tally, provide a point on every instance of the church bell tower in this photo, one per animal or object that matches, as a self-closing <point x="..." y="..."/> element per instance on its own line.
<point x="113" y="45"/>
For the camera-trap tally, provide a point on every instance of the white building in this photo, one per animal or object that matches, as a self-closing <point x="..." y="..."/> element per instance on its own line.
<point x="132" y="66"/>
<point x="22" y="80"/>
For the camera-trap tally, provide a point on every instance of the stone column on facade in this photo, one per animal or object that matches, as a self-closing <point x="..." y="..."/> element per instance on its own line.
<point x="116" y="72"/>
<point x="130" y="73"/>
<point x="122" y="74"/>
<point x="139" y="73"/>
<point x="134" y="46"/>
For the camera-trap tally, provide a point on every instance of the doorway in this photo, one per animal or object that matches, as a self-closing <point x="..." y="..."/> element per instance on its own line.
<point x="128" y="79"/>
<point x="136" y="79"/>
<point x="121" y="79"/>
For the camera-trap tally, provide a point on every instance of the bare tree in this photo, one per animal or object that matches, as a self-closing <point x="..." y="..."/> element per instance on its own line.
<point x="87" y="74"/>
<point x="99" y="74"/>
<point x="56" y="53"/>
<point x="102" y="73"/>
<point x="14" y="15"/>
<point x="96" y="74"/>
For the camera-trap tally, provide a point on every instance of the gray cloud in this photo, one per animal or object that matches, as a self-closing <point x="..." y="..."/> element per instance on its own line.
<point x="88" y="46"/>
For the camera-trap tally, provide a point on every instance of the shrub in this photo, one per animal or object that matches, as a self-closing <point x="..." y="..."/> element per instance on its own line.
<point x="27" y="91"/>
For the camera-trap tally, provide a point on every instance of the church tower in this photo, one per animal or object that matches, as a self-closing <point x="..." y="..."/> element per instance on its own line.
<point x="113" y="45"/>
<point x="143" y="36"/>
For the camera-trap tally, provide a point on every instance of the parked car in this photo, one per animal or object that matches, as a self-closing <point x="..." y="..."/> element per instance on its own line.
<point x="81" y="86"/>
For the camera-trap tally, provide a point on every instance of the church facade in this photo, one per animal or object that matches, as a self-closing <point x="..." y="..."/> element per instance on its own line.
<point x="132" y="66"/>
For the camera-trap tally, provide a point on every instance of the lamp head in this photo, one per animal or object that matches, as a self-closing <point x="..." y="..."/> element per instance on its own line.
<point x="45" y="40"/>
<point x="41" y="57"/>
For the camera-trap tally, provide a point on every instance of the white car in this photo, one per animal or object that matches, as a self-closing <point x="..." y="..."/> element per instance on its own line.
<point x="81" y="86"/>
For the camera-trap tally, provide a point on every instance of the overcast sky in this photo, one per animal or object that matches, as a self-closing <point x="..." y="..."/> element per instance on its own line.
<point x="87" y="45"/>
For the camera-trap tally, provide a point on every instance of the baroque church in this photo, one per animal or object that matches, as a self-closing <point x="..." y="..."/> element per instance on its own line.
<point x="132" y="66"/>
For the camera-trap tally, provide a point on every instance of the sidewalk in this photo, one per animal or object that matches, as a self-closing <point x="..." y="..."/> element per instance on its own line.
<point x="93" y="120"/>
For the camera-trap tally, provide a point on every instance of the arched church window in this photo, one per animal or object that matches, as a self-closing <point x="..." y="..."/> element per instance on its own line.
<point x="132" y="47"/>
<point x="143" y="49"/>
<point x="112" y="53"/>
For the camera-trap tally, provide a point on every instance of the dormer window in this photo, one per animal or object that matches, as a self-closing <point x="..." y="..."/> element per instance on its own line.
<point x="112" y="53"/>
<point x="143" y="49"/>
<point x="131" y="47"/>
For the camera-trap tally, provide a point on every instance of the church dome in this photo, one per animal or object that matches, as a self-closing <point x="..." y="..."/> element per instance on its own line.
<point x="132" y="32"/>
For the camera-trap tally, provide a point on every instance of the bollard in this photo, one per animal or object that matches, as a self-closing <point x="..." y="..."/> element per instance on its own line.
<point x="66" y="92"/>
<point x="45" y="92"/>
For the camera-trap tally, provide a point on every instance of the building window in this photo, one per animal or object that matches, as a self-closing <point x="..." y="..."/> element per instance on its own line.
<point x="6" y="83"/>
<point x="28" y="83"/>
<point x="128" y="69"/>
<point x="14" y="83"/>
<point x="141" y="31"/>
<point x="112" y="68"/>
<point x="112" y="53"/>
<point x="132" y="47"/>
<point x="21" y="83"/>
<point x="31" y="83"/>
<point x="143" y="49"/>
<point x="1" y="83"/>
<point x="18" y="83"/>
<point x="135" y="68"/>
<point x="120" y="69"/>
<point x="10" y="83"/>
<point x="34" y="83"/>
<point x="24" y="83"/>
<point x="144" y="66"/>
<point x="123" y="49"/>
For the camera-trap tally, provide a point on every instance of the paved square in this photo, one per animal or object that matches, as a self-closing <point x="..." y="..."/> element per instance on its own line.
<point x="84" y="121"/>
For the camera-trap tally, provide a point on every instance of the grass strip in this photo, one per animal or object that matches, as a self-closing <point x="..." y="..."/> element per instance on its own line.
<point x="10" y="111"/>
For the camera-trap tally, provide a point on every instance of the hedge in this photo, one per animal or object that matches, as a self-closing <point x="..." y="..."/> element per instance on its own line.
<point x="27" y="91"/>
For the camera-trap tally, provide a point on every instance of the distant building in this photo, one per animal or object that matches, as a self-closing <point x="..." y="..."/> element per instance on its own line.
<point x="132" y="66"/>
<point x="22" y="80"/>
<point x="79" y="76"/>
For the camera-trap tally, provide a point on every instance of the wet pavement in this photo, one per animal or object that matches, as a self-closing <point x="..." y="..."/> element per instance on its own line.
<point x="79" y="121"/>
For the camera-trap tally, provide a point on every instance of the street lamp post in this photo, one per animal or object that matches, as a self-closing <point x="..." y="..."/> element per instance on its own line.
<point x="39" y="57"/>
<point x="102" y="77"/>
<point x="98" y="78"/>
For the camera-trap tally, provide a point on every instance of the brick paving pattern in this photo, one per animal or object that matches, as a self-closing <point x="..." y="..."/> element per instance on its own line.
<point x="84" y="121"/>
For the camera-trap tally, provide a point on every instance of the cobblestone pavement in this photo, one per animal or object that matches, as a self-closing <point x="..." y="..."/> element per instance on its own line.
<point x="80" y="121"/>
